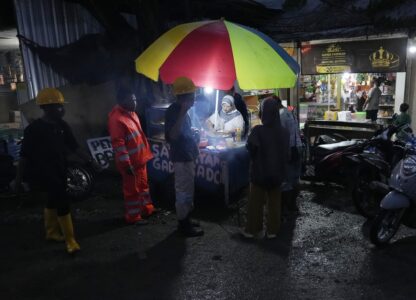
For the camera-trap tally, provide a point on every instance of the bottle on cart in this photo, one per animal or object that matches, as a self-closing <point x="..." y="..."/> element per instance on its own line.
<point x="238" y="135"/>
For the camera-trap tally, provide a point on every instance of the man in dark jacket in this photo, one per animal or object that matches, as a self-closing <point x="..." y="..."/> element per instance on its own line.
<point x="268" y="145"/>
<point x="184" y="151"/>
<point x="43" y="161"/>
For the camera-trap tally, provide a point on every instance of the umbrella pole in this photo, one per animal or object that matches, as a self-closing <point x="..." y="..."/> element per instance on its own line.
<point x="216" y="109"/>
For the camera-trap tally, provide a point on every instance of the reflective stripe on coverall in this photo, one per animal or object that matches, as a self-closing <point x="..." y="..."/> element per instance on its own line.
<point x="131" y="149"/>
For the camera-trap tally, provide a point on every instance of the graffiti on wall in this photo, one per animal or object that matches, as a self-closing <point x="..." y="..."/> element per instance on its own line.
<point x="101" y="150"/>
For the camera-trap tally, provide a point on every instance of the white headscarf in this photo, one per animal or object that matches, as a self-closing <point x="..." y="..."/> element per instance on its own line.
<point x="229" y="115"/>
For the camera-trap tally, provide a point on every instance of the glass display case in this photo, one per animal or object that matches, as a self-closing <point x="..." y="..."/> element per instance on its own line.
<point x="155" y="121"/>
<point x="387" y="101"/>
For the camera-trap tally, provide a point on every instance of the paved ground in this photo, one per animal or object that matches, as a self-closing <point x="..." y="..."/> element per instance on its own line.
<point x="322" y="254"/>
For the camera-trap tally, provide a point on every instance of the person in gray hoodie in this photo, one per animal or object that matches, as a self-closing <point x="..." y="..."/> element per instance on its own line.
<point x="373" y="100"/>
<point x="268" y="145"/>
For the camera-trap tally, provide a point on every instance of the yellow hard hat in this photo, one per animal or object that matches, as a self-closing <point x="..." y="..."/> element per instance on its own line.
<point x="49" y="96"/>
<point x="183" y="85"/>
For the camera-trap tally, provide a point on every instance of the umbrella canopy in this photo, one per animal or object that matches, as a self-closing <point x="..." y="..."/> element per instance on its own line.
<point x="216" y="54"/>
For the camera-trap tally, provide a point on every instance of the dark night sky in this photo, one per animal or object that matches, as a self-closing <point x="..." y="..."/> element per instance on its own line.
<point x="7" y="15"/>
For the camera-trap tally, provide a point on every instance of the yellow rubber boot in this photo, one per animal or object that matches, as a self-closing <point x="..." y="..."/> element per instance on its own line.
<point x="67" y="228"/>
<point x="53" y="232"/>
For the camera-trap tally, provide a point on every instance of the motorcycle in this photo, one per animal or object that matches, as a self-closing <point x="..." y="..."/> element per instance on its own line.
<point x="372" y="170"/>
<point x="398" y="206"/>
<point x="315" y="149"/>
<point x="80" y="181"/>
<point x="314" y="156"/>
<point x="7" y="169"/>
<point x="328" y="161"/>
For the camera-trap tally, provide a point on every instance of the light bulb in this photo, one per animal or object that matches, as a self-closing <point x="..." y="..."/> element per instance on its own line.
<point x="208" y="90"/>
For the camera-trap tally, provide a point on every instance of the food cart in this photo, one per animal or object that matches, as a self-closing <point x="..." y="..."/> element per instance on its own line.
<point x="222" y="167"/>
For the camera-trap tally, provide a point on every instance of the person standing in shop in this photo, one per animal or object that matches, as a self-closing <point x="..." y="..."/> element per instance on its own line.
<point x="373" y="100"/>
<point x="184" y="151"/>
<point x="290" y="186"/>
<point x="132" y="152"/>
<point x="268" y="146"/>
<point x="43" y="163"/>
<point x="361" y="101"/>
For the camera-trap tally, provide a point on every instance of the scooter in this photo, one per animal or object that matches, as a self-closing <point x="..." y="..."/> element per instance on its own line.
<point x="398" y="206"/>
<point x="374" y="164"/>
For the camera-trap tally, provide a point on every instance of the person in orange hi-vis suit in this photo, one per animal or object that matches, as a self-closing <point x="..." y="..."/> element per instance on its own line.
<point x="132" y="152"/>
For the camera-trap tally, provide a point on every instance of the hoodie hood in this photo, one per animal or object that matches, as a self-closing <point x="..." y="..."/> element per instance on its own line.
<point x="270" y="112"/>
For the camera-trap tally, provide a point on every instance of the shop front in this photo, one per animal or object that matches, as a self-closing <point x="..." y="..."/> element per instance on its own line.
<point x="336" y="78"/>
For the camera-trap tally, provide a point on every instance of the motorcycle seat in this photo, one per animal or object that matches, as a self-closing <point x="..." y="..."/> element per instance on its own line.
<point x="335" y="146"/>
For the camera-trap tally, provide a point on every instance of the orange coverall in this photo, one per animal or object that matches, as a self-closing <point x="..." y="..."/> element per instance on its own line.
<point x="131" y="150"/>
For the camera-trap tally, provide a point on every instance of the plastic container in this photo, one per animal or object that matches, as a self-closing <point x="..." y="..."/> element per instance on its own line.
<point x="330" y="115"/>
<point x="360" y="116"/>
<point x="344" y="115"/>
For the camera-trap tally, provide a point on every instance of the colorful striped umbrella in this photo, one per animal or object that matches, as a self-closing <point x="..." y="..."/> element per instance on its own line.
<point x="216" y="54"/>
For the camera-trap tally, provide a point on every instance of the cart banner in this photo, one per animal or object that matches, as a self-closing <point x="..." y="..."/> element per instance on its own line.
<point x="207" y="172"/>
<point x="101" y="150"/>
<point x="374" y="56"/>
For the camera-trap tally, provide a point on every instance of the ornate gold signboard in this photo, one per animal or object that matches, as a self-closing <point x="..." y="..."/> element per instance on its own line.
<point x="374" y="56"/>
<point x="333" y="60"/>
<point x="384" y="59"/>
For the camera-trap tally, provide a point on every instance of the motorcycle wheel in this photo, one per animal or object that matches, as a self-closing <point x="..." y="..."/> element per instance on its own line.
<point x="385" y="226"/>
<point x="80" y="182"/>
<point x="366" y="201"/>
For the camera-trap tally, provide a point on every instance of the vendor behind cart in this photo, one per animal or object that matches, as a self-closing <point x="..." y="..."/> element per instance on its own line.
<point x="228" y="119"/>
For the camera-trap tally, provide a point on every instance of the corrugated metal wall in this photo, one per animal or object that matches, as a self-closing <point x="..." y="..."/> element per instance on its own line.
<point x="50" y="23"/>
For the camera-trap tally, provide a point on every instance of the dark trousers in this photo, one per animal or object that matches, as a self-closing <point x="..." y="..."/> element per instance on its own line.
<point x="372" y="114"/>
<point x="54" y="197"/>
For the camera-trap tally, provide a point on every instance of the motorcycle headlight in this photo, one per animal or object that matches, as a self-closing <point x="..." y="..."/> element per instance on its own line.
<point x="409" y="165"/>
